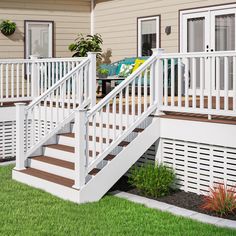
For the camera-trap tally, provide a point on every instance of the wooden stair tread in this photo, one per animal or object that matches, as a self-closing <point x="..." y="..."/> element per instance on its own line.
<point x="109" y="157"/>
<point x="72" y="135"/>
<point x="138" y="130"/>
<point x="54" y="161"/>
<point x="65" y="148"/>
<point x="94" y="171"/>
<point x="49" y="177"/>
<point x="61" y="147"/>
<point x="123" y="144"/>
<point x="104" y="125"/>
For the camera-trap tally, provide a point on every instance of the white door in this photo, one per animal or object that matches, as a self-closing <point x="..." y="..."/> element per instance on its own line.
<point x="208" y="31"/>
<point x="38" y="39"/>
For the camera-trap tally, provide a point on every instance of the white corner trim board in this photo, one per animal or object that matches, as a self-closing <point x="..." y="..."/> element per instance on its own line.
<point x="176" y="210"/>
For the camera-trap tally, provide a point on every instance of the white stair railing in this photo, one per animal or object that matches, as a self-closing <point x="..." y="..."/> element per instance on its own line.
<point x="201" y="83"/>
<point x="115" y="117"/>
<point x="26" y="79"/>
<point x="52" y="110"/>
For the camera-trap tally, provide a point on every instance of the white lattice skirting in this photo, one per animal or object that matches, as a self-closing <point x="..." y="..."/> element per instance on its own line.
<point x="7" y="140"/>
<point x="197" y="165"/>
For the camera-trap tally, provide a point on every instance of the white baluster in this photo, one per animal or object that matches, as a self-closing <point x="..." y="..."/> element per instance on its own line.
<point x="34" y="77"/>
<point x="226" y="83"/>
<point x="217" y="83"/>
<point x="179" y="83"/>
<point x="172" y="82"/>
<point x="202" y="76"/>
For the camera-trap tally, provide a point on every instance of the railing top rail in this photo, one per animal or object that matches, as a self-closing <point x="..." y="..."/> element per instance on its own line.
<point x="57" y="84"/>
<point x="15" y="61"/>
<point x="121" y="86"/>
<point x="197" y="54"/>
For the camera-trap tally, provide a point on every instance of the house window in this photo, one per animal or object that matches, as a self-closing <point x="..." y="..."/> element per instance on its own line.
<point x="39" y="38"/>
<point x="148" y="35"/>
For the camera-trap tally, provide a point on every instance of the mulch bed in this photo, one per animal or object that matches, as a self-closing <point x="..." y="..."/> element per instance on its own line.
<point x="190" y="201"/>
<point x="6" y="160"/>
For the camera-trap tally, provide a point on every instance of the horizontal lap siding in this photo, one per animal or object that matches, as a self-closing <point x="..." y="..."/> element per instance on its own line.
<point x="116" y="21"/>
<point x="70" y="17"/>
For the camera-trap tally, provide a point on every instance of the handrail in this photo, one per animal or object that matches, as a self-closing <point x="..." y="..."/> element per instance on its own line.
<point x="197" y="54"/>
<point x="56" y="85"/>
<point x="58" y="59"/>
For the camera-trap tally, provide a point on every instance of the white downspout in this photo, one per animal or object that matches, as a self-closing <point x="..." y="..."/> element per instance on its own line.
<point x="92" y="26"/>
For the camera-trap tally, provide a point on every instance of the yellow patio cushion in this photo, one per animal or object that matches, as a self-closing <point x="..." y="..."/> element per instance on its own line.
<point x="137" y="64"/>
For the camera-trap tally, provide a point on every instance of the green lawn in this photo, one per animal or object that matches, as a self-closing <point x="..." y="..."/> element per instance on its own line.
<point x="27" y="211"/>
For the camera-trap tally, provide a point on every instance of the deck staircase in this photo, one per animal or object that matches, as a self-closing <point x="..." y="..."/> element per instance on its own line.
<point x="54" y="170"/>
<point x="78" y="150"/>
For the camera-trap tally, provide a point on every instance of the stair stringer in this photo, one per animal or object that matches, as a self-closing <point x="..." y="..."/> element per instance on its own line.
<point x="115" y="169"/>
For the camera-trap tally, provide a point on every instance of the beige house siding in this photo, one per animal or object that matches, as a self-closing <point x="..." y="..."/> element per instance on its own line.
<point x="116" y="21"/>
<point x="69" y="16"/>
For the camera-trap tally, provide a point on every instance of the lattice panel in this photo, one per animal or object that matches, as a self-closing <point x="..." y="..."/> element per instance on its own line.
<point x="7" y="140"/>
<point x="198" y="166"/>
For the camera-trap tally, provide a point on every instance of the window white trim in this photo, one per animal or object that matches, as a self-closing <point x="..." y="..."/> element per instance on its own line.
<point x="157" y="18"/>
<point x="51" y="38"/>
<point x="184" y="14"/>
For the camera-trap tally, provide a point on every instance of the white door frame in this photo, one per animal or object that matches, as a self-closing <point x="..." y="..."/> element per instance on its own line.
<point x="51" y="38"/>
<point x="210" y="10"/>
<point x="157" y="18"/>
<point x="209" y="13"/>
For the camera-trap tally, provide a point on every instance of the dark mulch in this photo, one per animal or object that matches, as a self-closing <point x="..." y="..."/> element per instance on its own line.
<point x="6" y="159"/>
<point x="190" y="201"/>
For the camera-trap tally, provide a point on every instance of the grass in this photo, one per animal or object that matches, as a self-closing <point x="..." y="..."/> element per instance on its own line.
<point x="28" y="211"/>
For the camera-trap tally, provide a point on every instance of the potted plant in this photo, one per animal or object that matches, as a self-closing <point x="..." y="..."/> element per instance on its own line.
<point x="84" y="44"/>
<point x="103" y="73"/>
<point x="7" y="27"/>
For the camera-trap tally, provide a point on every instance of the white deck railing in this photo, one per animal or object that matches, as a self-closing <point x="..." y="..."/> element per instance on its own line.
<point x="202" y="83"/>
<point x="54" y="108"/>
<point x="26" y="79"/>
<point x="114" y="118"/>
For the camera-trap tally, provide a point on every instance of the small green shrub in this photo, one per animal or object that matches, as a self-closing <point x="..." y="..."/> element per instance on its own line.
<point x="151" y="180"/>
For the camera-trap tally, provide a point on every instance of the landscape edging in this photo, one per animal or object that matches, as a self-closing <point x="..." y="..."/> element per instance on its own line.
<point x="220" y="222"/>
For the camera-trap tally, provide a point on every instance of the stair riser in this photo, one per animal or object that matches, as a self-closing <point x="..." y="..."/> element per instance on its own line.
<point x="64" y="140"/>
<point x="59" y="154"/>
<point x="52" y="169"/>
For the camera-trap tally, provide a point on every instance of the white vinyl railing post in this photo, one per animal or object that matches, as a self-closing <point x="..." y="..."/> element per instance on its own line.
<point x="92" y="78"/>
<point x="158" y="80"/>
<point x="80" y="148"/>
<point x="20" y="125"/>
<point x="34" y="77"/>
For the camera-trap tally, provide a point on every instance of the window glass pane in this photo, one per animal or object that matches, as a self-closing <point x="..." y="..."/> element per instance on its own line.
<point x="148" y="36"/>
<point x="225" y="32"/>
<point x="38" y="39"/>
<point x="196" y="34"/>
<point x="225" y="41"/>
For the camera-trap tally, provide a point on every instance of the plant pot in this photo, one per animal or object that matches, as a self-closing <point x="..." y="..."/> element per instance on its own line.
<point x="102" y="76"/>
<point x="8" y="33"/>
